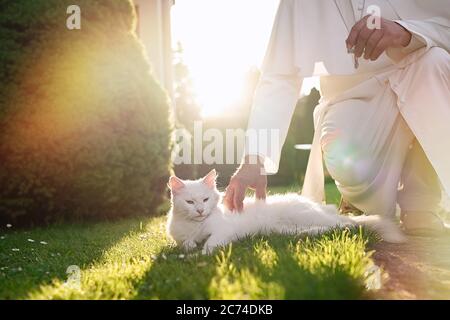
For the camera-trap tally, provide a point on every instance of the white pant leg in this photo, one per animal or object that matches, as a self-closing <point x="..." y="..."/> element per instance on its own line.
<point x="422" y="85"/>
<point x="364" y="145"/>
<point x="420" y="188"/>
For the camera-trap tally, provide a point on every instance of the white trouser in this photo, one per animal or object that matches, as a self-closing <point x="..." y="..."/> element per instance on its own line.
<point x="371" y="152"/>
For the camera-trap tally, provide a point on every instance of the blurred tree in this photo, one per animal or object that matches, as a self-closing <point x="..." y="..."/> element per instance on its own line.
<point x="236" y="118"/>
<point x="186" y="106"/>
<point x="187" y="110"/>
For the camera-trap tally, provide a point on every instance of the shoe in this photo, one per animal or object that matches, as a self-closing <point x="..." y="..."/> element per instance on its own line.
<point x="424" y="224"/>
<point x="346" y="208"/>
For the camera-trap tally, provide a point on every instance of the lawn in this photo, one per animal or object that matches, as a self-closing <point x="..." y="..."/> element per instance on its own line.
<point x="133" y="259"/>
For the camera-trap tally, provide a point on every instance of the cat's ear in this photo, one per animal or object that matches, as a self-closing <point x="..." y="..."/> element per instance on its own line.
<point x="175" y="184"/>
<point x="210" y="179"/>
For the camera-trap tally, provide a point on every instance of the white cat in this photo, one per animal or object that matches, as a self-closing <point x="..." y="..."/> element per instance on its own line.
<point x="197" y="215"/>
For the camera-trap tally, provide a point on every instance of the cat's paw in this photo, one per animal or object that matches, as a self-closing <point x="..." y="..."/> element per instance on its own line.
<point x="189" y="245"/>
<point x="207" y="250"/>
<point x="212" y="243"/>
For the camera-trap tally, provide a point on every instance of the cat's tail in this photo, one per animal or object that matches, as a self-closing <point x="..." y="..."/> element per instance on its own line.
<point x="386" y="228"/>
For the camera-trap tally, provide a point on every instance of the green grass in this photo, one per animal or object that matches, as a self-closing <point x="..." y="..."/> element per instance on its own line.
<point x="133" y="259"/>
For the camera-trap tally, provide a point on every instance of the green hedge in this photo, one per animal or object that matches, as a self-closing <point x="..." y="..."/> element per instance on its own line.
<point x="84" y="127"/>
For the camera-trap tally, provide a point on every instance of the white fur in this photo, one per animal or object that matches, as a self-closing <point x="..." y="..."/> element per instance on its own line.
<point x="283" y="214"/>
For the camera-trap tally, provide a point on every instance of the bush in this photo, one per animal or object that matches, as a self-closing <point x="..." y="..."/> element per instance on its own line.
<point x="84" y="128"/>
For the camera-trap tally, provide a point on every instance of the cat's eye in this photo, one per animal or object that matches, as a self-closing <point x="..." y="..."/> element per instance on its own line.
<point x="190" y="201"/>
<point x="206" y="199"/>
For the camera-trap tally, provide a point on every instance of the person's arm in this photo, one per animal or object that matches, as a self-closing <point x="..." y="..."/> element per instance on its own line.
<point x="397" y="38"/>
<point x="274" y="103"/>
<point x="434" y="32"/>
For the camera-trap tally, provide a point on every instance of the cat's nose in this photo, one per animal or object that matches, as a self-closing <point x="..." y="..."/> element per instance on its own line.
<point x="200" y="211"/>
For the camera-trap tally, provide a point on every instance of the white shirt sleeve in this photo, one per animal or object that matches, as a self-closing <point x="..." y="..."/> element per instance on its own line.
<point x="277" y="93"/>
<point x="434" y="32"/>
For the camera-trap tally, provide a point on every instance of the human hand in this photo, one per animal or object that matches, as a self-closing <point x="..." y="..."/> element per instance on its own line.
<point x="372" y="42"/>
<point x="249" y="175"/>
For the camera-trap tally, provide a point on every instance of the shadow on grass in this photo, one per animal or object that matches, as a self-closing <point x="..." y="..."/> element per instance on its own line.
<point x="31" y="259"/>
<point x="256" y="268"/>
<point x="177" y="275"/>
<point x="298" y="281"/>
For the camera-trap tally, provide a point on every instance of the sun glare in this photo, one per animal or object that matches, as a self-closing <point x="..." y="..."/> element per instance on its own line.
<point x="222" y="40"/>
